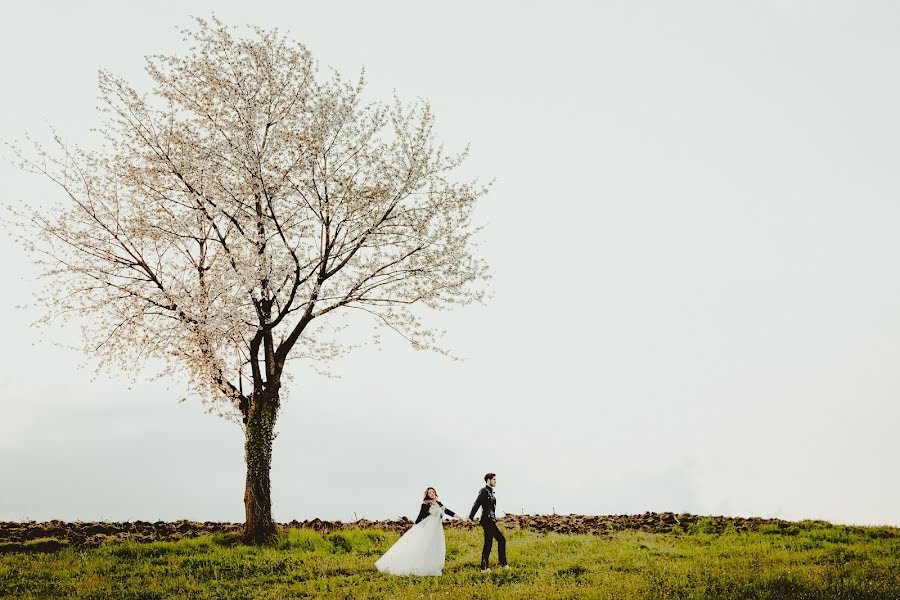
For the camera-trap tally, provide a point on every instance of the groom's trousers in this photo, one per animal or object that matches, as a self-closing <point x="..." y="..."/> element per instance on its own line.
<point x="490" y="533"/>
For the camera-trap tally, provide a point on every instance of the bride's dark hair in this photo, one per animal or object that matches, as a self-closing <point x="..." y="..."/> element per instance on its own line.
<point x="425" y="499"/>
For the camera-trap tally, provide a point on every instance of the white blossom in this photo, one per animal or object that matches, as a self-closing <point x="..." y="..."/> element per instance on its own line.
<point x="241" y="204"/>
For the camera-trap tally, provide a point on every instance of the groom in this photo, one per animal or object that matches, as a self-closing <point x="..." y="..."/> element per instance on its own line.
<point x="488" y="504"/>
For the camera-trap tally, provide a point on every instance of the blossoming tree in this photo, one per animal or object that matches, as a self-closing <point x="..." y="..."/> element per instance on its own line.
<point x="235" y="208"/>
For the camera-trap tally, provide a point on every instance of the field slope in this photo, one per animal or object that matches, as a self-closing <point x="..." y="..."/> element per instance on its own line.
<point x="650" y="556"/>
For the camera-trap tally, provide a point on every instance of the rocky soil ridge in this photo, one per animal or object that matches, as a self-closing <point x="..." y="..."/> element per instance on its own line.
<point x="14" y="536"/>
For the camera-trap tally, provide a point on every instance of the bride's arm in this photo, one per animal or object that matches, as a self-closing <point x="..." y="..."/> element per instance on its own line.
<point x="423" y="512"/>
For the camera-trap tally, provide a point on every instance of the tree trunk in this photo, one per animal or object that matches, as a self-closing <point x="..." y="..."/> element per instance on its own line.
<point x="259" y="526"/>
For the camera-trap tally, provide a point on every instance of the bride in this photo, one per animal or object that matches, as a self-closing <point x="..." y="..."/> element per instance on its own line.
<point x="422" y="549"/>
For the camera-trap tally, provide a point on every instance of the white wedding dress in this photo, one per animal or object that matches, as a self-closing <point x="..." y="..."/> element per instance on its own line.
<point x="419" y="551"/>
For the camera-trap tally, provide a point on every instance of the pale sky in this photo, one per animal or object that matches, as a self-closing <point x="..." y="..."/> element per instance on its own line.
<point x="695" y="240"/>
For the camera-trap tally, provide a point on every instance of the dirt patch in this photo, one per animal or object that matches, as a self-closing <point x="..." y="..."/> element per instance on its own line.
<point x="93" y="534"/>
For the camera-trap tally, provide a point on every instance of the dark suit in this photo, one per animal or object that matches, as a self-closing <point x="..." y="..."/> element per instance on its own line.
<point x="487" y="502"/>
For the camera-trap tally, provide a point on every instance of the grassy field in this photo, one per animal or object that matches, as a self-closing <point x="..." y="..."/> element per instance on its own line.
<point x="803" y="562"/>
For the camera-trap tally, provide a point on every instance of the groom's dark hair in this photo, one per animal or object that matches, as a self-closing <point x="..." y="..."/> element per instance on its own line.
<point x="489" y="476"/>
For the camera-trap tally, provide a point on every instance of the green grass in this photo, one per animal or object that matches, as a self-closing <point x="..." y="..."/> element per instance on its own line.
<point x="805" y="561"/>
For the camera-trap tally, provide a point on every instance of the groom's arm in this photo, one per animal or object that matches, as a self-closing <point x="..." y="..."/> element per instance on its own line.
<point x="482" y="496"/>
